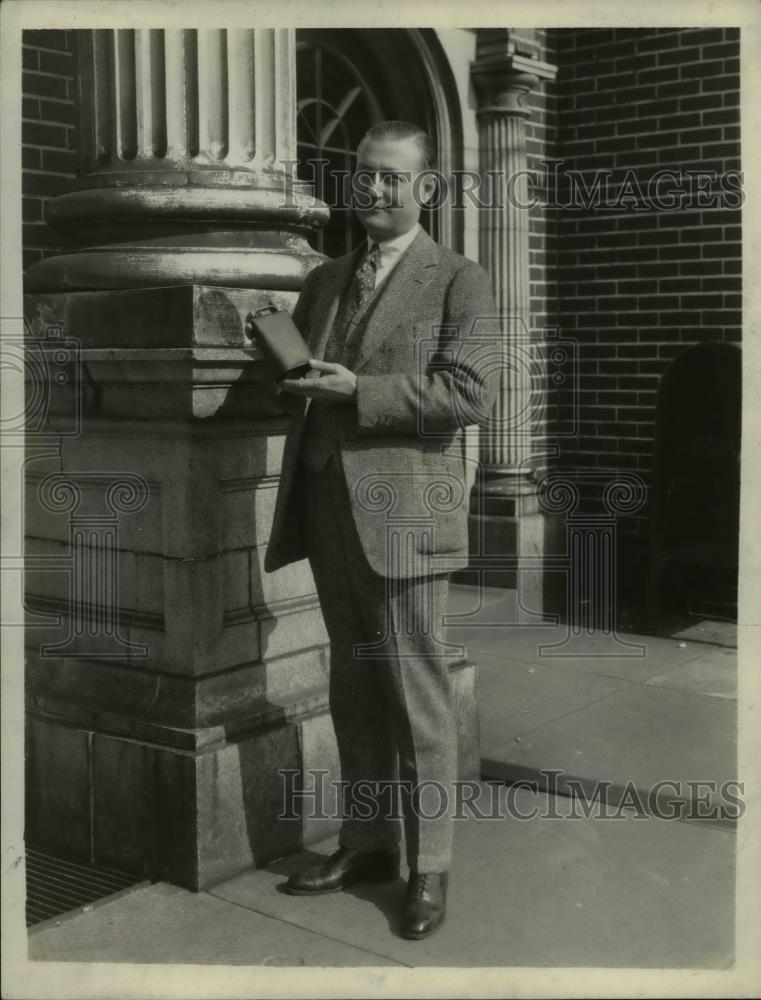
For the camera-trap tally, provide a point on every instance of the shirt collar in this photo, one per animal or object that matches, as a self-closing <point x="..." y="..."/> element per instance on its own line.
<point x="397" y="245"/>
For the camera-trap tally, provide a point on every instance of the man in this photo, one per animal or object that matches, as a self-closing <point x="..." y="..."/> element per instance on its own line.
<point x="373" y="491"/>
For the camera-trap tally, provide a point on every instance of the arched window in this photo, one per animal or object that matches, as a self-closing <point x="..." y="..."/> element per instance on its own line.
<point x="347" y="80"/>
<point x="336" y="105"/>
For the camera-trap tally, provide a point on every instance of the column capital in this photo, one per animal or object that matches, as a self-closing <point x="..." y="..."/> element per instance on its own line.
<point x="503" y="82"/>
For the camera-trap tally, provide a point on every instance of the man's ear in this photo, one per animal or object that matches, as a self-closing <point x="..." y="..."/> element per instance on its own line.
<point x="427" y="189"/>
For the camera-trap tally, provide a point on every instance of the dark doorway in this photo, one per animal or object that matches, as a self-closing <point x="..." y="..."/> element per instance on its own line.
<point x="696" y="487"/>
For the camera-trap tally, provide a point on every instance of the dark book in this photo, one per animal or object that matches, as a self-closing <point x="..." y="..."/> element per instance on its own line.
<point x="284" y="350"/>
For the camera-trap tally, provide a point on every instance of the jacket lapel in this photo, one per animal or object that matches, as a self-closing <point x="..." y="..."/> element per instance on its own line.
<point x="411" y="274"/>
<point x="332" y="289"/>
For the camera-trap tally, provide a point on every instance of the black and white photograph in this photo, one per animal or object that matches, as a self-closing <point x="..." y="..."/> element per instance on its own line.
<point x="381" y="552"/>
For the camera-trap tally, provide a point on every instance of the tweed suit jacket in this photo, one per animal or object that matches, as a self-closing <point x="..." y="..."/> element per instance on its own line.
<point x="428" y="366"/>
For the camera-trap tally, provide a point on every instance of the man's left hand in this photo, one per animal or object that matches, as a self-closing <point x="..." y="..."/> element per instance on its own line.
<point x="336" y="384"/>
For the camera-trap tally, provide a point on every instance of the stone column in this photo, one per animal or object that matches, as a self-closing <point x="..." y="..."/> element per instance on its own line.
<point x="508" y="525"/>
<point x="187" y="164"/>
<point x="169" y="679"/>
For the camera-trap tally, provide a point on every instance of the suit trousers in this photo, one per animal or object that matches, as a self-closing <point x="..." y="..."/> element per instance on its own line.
<point x="390" y="690"/>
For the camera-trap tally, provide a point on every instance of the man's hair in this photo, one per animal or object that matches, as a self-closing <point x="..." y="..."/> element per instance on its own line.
<point x="405" y="130"/>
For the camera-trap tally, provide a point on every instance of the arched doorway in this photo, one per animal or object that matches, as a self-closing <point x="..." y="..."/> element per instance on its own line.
<point x="350" y="78"/>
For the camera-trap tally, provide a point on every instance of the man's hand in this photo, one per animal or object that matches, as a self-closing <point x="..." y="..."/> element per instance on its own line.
<point x="336" y="384"/>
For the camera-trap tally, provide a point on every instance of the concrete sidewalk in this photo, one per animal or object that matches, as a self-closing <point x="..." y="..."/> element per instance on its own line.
<point x="555" y="889"/>
<point x="628" y="710"/>
<point x="551" y="890"/>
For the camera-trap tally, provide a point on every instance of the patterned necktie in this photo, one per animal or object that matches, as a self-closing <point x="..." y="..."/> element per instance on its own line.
<point x="365" y="278"/>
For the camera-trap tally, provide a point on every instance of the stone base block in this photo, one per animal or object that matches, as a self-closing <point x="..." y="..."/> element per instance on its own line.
<point x="524" y="553"/>
<point x="194" y="807"/>
<point x="192" y="817"/>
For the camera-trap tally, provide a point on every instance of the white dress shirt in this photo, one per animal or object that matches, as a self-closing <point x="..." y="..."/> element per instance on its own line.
<point x="390" y="252"/>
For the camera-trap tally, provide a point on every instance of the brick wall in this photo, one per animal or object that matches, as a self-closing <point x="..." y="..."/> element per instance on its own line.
<point x="638" y="285"/>
<point x="48" y="133"/>
<point x="541" y="147"/>
<point x="541" y="142"/>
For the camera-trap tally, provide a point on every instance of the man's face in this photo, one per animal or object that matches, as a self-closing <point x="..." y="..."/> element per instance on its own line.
<point x="386" y="196"/>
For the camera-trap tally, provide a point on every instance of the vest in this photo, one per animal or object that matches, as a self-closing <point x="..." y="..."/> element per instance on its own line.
<point x="326" y="423"/>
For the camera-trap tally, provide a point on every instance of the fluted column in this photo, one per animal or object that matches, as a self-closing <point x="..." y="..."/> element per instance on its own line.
<point x="502" y="85"/>
<point x="157" y="98"/>
<point x="187" y="170"/>
<point x="170" y="680"/>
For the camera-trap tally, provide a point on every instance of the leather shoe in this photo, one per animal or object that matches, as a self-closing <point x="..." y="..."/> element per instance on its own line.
<point x="425" y="904"/>
<point x="345" y="867"/>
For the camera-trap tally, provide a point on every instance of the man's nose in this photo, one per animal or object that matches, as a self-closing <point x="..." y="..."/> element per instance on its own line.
<point x="376" y="185"/>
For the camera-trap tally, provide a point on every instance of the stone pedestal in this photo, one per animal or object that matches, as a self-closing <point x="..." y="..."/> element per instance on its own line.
<point x="174" y="690"/>
<point x="169" y="678"/>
